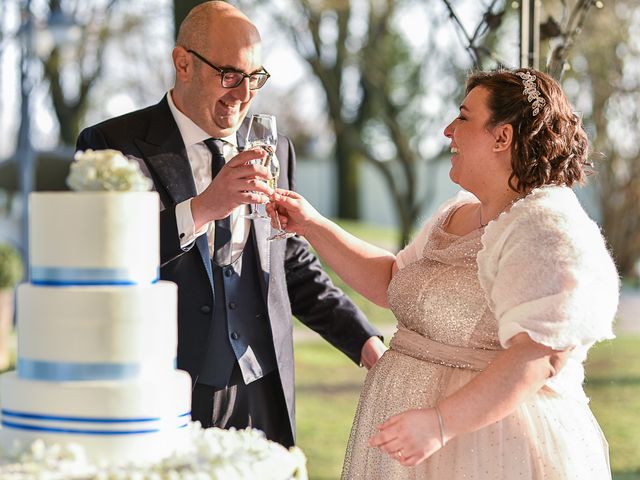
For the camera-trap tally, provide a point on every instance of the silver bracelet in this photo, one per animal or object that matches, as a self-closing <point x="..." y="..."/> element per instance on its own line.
<point x="441" y="424"/>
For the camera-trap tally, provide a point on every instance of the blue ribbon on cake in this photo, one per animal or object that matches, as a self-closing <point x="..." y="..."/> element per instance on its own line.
<point x="74" y="371"/>
<point x="64" y="276"/>
<point x="68" y="371"/>
<point x="90" y="426"/>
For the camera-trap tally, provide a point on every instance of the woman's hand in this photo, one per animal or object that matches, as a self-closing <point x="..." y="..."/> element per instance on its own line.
<point x="295" y="213"/>
<point x="409" y="437"/>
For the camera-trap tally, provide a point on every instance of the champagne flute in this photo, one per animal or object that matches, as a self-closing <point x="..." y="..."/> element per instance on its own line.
<point x="274" y="168"/>
<point x="262" y="133"/>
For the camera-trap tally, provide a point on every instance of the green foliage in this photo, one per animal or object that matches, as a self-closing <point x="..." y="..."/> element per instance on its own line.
<point x="10" y="267"/>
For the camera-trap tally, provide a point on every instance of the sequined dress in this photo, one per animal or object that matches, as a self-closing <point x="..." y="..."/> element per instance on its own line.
<point x="438" y="300"/>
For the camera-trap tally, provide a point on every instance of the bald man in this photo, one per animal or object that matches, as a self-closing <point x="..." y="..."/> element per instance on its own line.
<point x="237" y="292"/>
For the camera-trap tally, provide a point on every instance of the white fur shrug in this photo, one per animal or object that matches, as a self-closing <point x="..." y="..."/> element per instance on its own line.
<point x="546" y="271"/>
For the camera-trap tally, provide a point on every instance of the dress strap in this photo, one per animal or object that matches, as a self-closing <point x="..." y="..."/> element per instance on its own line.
<point x="411" y="343"/>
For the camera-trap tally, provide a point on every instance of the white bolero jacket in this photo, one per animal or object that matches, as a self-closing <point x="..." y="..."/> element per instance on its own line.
<point x="545" y="270"/>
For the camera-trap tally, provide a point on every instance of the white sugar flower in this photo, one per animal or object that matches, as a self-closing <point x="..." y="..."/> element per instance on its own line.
<point x="99" y="170"/>
<point x="211" y="454"/>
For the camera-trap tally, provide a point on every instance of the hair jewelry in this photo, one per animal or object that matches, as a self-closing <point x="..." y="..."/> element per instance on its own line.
<point x="531" y="91"/>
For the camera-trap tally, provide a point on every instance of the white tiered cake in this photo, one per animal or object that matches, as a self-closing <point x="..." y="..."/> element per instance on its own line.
<point x="96" y="393"/>
<point x="97" y="332"/>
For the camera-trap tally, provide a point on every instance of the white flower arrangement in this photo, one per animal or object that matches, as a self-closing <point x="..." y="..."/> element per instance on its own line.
<point x="211" y="454"/>
<point x="99" y="170"/>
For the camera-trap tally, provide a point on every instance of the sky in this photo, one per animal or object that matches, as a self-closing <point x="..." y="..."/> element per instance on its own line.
<point x="135" y="56"/>
<point x="146" y="54"/>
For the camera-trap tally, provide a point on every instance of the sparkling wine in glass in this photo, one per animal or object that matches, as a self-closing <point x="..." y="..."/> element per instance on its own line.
<point x="280" y="234"/>
<point x="263" y="134"/>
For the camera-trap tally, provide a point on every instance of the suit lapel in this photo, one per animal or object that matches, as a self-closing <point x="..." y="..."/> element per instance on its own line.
<point x="166" y="157"/>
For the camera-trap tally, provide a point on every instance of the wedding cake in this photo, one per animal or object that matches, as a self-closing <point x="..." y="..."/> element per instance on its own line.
<point x="96" y="393"/>
<point x="97" y="332"/>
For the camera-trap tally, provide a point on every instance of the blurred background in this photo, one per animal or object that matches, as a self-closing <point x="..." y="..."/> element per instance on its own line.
<point x="364" y="88"/>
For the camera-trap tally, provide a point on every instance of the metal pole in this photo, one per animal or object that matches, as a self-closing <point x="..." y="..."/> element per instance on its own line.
<point x="530" y="33"/>
<point x="25" y="155"/>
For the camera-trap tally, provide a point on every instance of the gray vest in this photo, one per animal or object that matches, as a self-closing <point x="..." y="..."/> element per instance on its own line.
<point x="240" y="330"/>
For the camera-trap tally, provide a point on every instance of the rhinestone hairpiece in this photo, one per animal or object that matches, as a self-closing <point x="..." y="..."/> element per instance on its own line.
<point x="531" y="91"/>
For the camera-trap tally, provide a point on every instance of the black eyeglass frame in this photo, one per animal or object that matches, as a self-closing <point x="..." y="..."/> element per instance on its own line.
<point x="223" y="71"/>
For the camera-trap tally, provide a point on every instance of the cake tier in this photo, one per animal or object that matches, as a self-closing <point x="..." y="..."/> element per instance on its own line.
<point x="90" y="238"/>
<point x="96" y="332"/>
<point x="117" y="422"/>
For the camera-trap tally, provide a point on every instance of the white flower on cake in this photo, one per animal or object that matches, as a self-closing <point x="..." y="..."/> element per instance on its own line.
<point x="110" y="170"/>
<point x="211" y="454"/>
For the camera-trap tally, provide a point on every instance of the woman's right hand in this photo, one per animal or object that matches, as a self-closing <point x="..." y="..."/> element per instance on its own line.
<point x="296" y="214"/>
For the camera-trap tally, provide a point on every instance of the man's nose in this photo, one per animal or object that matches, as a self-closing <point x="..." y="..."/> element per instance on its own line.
<point x="242" y="92"/>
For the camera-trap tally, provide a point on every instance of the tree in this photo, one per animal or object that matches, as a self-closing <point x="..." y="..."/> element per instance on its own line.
<point x="69" y="73"/>
<point x="601" y="82"/>
<point x="561" y="32"/>
<point x="180" y="10"/>
<point x="610" y="87"/>
<point x="375" y="83"/>
<point x="481" y="44"/>
<point x="70" y="105"/>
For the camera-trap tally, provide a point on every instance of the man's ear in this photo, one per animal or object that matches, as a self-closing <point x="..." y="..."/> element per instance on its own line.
<point x="504" y="137"/>
<point x="182" y="62"/>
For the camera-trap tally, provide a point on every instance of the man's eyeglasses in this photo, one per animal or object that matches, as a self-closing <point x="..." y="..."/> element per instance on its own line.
<point x="232" y="78"/>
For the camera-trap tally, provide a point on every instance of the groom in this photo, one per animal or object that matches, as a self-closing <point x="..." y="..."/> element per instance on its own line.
<point x="236" y="291"/>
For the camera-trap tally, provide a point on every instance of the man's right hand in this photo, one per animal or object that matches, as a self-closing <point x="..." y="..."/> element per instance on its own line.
<point x="239" y="182"/>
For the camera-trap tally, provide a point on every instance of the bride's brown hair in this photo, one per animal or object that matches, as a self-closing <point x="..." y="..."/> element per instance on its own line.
<point x="548" y="148"/>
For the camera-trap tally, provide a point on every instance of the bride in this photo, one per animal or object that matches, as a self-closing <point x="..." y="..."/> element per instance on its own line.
<point x="498" y="299"/>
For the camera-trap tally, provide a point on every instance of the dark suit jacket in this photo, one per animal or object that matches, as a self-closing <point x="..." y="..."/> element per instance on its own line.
<point x="293" y="281"/>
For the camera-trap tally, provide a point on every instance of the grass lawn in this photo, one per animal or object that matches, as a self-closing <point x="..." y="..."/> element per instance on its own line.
<point x="328" y="385"/>
<point x="613" y="384"/>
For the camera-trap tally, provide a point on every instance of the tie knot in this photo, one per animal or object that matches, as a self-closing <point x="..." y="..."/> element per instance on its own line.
<point x="215" y="145"/>
<point x="217" y="157"/>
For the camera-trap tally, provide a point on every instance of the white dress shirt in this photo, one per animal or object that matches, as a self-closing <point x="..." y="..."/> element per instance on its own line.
<point x="200" y="160"/>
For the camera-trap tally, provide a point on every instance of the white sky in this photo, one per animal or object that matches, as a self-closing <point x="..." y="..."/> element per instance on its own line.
<point x="115" y="93"/>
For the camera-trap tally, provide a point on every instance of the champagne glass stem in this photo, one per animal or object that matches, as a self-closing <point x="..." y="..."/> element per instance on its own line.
<point x="280" y="233"/>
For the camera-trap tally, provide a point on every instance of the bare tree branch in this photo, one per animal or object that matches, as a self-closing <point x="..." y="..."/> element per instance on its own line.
<point x="570" y="30"/>
<point x="490" y="21"/>
<point x="468" y="43"/>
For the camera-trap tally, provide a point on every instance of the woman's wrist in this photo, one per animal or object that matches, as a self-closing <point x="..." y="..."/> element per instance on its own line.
<point x="441" y="427"/>
<point x="316" y="228"/>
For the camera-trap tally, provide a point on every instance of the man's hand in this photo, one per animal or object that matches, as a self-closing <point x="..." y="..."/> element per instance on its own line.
<point x="241" y="181"/>
<point x="372" y="350"/>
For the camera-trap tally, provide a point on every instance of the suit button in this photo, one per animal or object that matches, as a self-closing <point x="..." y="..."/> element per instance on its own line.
<point x="205" y="309"/>
<point x="227" y="272"/>
<point x="235" y="335"/>
<point x="232" y="305"/>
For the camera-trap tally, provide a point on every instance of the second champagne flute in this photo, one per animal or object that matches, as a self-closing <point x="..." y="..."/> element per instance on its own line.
<point x="280" y="233"/>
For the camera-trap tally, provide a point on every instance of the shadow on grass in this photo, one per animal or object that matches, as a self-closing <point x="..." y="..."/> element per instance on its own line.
<point x="328" y="389"/>
<point x="612" y="381"/>
<point x="626" y="475"/>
